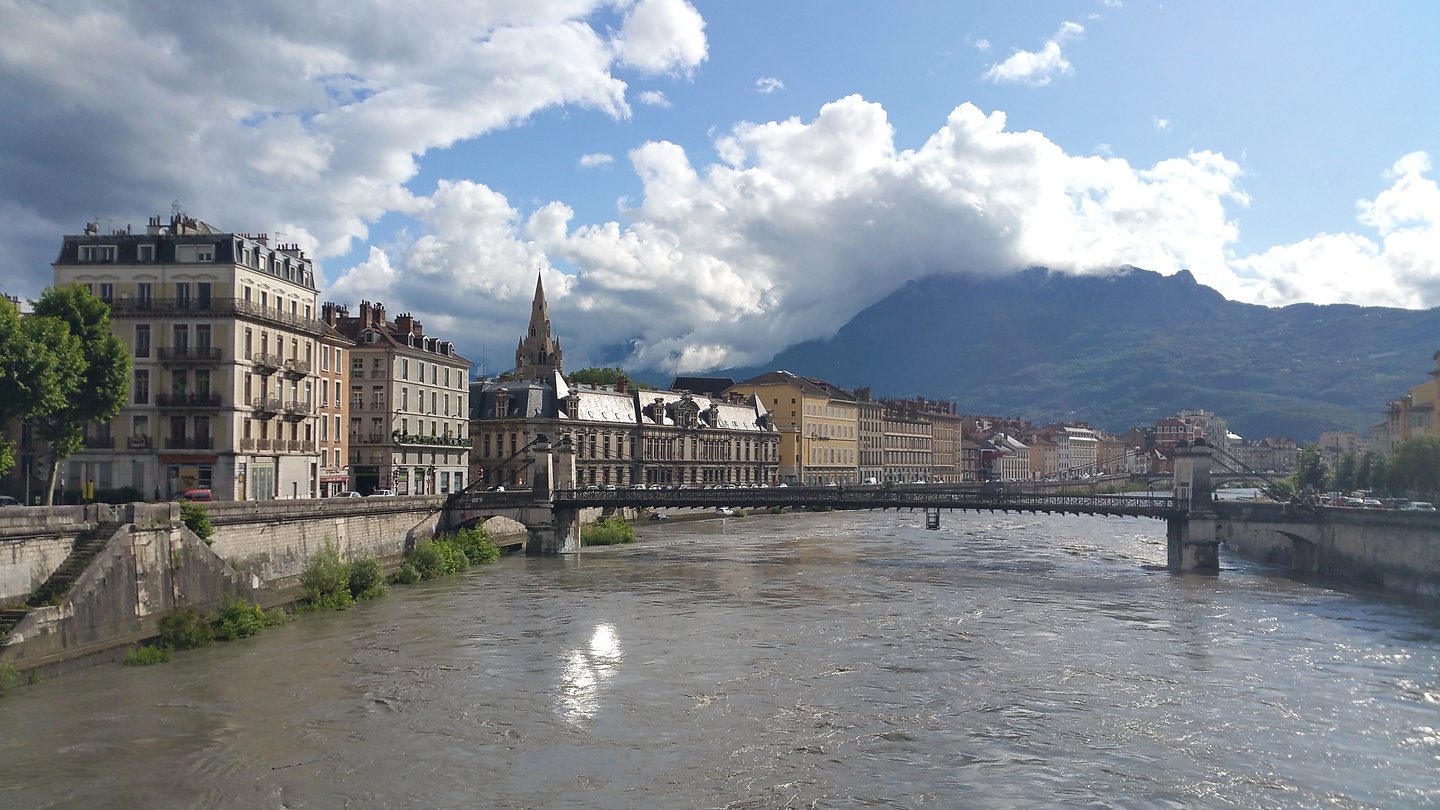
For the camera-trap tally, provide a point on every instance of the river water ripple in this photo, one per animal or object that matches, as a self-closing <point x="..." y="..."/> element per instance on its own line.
<point x="812" y="660"/>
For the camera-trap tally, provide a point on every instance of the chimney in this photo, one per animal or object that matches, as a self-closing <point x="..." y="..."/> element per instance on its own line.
<point x="379" y="314"/>
<point x="364" y="314"/>
<point x="622" y="385"/>
<point x="419" y="330"/>
<point x="404" y="322"/>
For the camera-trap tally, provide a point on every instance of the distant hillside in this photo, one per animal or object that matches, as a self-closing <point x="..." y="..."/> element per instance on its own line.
<point x="1123" y="350"/>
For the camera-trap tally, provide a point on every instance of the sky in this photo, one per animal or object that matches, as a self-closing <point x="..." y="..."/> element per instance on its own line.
<point x="702" y="183"/>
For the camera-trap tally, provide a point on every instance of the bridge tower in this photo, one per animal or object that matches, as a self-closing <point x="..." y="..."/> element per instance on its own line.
<point x="554" y="469"/>
<point x="1190" y="537"/>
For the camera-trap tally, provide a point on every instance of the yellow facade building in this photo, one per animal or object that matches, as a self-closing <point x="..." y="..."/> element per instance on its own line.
<point x="819" y="426"/>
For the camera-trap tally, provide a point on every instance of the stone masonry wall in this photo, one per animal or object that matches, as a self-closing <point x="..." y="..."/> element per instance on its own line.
<point x="274" y="540"/>
<point x="1395" y="549"/>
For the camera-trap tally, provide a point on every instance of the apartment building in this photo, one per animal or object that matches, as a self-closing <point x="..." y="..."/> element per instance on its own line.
<point x="908" y="443"/>
<point x="408" y="403"/>
<point x="870" y="435"/>
<point x="223" y="331"/>
<point x="819" y="426"/>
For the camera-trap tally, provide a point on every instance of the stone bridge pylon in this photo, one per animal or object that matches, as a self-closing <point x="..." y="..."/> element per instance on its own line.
<point x="550" y="528"/>
<point x="1190" y="539"/>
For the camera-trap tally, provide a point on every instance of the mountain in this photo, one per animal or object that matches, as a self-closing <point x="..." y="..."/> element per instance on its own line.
<point x="1125" y="350"/>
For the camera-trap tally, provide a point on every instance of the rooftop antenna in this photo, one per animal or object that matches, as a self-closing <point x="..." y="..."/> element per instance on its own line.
<point x="175" y="209"/>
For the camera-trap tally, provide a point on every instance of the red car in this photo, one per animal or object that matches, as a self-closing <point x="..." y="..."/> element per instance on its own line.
<point x="196" y="495"/>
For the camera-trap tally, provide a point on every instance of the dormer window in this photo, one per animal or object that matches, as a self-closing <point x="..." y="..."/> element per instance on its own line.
<point x="97" y="253"/>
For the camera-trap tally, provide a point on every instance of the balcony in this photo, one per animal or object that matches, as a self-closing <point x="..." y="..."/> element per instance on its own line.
<point x="186" y="354"/>
<point x="217" y="307"/>
<point x="267" y="363"/>
<point x="266" y="407"/>
<point x="138" y="443"/>
<point x="99" y="442"/>
<point x="369" y="438"/>
<point x="434" y="441"/>
<point x="377" y="373"/>
<point x="187" y="400"/>
<point x="190" y="443"/>
<point x="297" y="410"/>
<point x="247" y="444"/>
<point x="296" y="369"/>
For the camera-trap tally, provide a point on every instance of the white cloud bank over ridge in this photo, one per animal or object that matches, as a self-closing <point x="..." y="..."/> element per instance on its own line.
<point x="802" y="224"/>
<point x="796" y="227"/>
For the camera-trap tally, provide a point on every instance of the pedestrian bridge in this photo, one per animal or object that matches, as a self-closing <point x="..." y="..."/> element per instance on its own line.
<point x="551" y="510"/>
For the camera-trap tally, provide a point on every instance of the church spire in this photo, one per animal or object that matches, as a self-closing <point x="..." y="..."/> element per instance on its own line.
<point x="538" y="352"/>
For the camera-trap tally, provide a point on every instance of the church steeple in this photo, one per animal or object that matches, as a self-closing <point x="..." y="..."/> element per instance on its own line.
<point x="538" y="353"/>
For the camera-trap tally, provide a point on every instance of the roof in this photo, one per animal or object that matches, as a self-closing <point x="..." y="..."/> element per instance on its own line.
<point x="813" y="386"/>
<point x="709" y="386"/>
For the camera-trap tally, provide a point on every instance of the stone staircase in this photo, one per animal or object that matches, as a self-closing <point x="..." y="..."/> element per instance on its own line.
<point x="53" y="590"/>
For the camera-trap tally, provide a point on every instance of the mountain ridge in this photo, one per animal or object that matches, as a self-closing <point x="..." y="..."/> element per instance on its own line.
<point x="1123" y="350"/>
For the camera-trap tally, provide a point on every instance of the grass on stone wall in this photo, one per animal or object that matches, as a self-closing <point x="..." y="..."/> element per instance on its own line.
<point x="608" y="532"/>
<point x="195" y="518"/>
<point x="148" y="655"/>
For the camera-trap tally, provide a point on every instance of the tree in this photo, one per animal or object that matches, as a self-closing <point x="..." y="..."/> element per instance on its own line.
<point x="40" y="365"/>
<point x="1346" y="473"/>
<point x="104" y="379"/>
<point x="604" y="376"/>
<point x="1312" y="474"/>
<point x="1416" y="466"/>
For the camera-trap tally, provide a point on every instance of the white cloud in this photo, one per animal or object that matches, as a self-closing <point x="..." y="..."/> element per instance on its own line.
<point x="662" y="36"/>
<point x="803" y="223"/>
<point x="1162" y="124"/>
<point x="1401" y="269"/>
<point x="1038" y="67"/>
<point x="594" y="160"/>
<point x="316" y="114"/>
<point x="982" y="45"/>
<point x="653" y="98"/>
<point x="769" y="84"/>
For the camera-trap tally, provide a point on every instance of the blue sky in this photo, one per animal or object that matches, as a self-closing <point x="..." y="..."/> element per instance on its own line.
<point x="704" y="183"/>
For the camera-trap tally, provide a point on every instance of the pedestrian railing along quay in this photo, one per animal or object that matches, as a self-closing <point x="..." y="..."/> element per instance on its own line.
<point x="854" y="498"/>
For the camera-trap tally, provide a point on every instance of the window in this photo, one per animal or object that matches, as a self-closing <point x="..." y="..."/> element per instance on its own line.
<point x="97" y="253"/>
<point x="142" y="340"/>
<point x="404" y="369"/>
<point x="202" y="336"/>
<point x="182" y="294"/>
<point x="107" y="292"/>
<point x="144" y="253"/>
<point x="143" y="291"/>
<point x="142" y="386"/>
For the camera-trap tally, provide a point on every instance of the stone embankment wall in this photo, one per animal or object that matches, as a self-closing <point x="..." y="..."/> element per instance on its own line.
<point x="275" y="540"/>
<point x="150" y="565"/>
<point x="1395" y="549"/>
<point x="35" y="541"/>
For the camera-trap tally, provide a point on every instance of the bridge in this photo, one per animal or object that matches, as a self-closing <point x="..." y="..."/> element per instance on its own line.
<point x="551" y="510"/>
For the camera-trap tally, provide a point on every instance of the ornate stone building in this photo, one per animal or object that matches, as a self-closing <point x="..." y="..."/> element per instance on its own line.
<point x="622" y="437"/>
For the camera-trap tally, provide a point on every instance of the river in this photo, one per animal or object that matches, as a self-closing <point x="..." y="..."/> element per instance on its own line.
<point x="810" y="660"/>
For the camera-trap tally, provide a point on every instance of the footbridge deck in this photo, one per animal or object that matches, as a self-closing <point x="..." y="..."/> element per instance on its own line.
<point x="840" y="498"/>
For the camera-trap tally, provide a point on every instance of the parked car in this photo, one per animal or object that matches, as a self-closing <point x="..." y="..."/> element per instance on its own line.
<point x="1420" y="506"/>
<point x="6" y="500"/>
<point x="382" y="493"/>
<point x="351" y="494"/>
<point x="196" y="495"/>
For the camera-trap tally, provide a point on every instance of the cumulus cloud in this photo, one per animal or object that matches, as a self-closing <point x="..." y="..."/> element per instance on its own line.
<point x="1162" y="124"/>
<point x="311" y="122"/>
<point x="769" y="84"/>
<point x="982" y="45"/>
<point x="595" y="160"/>
<point x="1040" y="67"/>
<point x="662" y="36"/>
<point x="653" y="98"/>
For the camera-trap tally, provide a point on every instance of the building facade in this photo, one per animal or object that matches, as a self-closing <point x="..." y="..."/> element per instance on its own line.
<point x="408" y="404"/>
<point x="819" y="427"/>
<point x="225" y="338"/>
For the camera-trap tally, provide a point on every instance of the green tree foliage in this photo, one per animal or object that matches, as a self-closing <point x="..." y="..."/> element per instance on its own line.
<point x="605" y="376"/>
<point x="104" y="380"/>
<point x="186" y="629"/>
<point x="40" y="366"/>
<point x="1374" y="471"/>
<point x="1415" y="468"/>
<point x="1312" y="473"/>
<point x="1347" y="473"/>
<point x="197" y="520"/>
<point x="367" y="578"/>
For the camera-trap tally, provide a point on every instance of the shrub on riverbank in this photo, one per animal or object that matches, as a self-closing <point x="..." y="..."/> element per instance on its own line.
<point x="608" y="532"/>
<point x="185" y="629"/>
<point x="240" y="619"/>
<point x="447" y="554"/>
<point x="330" y="583"/>
<point x="148" y="655"/>
<point x="197" y="520"/>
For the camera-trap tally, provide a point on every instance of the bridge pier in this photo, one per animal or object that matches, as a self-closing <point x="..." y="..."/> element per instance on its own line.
<point x="1191" y="544"/>
<point x="561" y="535"/>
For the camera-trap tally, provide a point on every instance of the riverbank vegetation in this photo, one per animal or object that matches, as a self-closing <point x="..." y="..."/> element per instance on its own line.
<point x="447" y="554"/>
<point x="608" y="532"/>
<point x="189" y="629"/>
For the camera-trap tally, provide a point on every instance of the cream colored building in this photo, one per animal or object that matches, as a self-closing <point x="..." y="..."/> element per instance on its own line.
<point x="224" y="334"/>
<point x="819" y="426"/>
